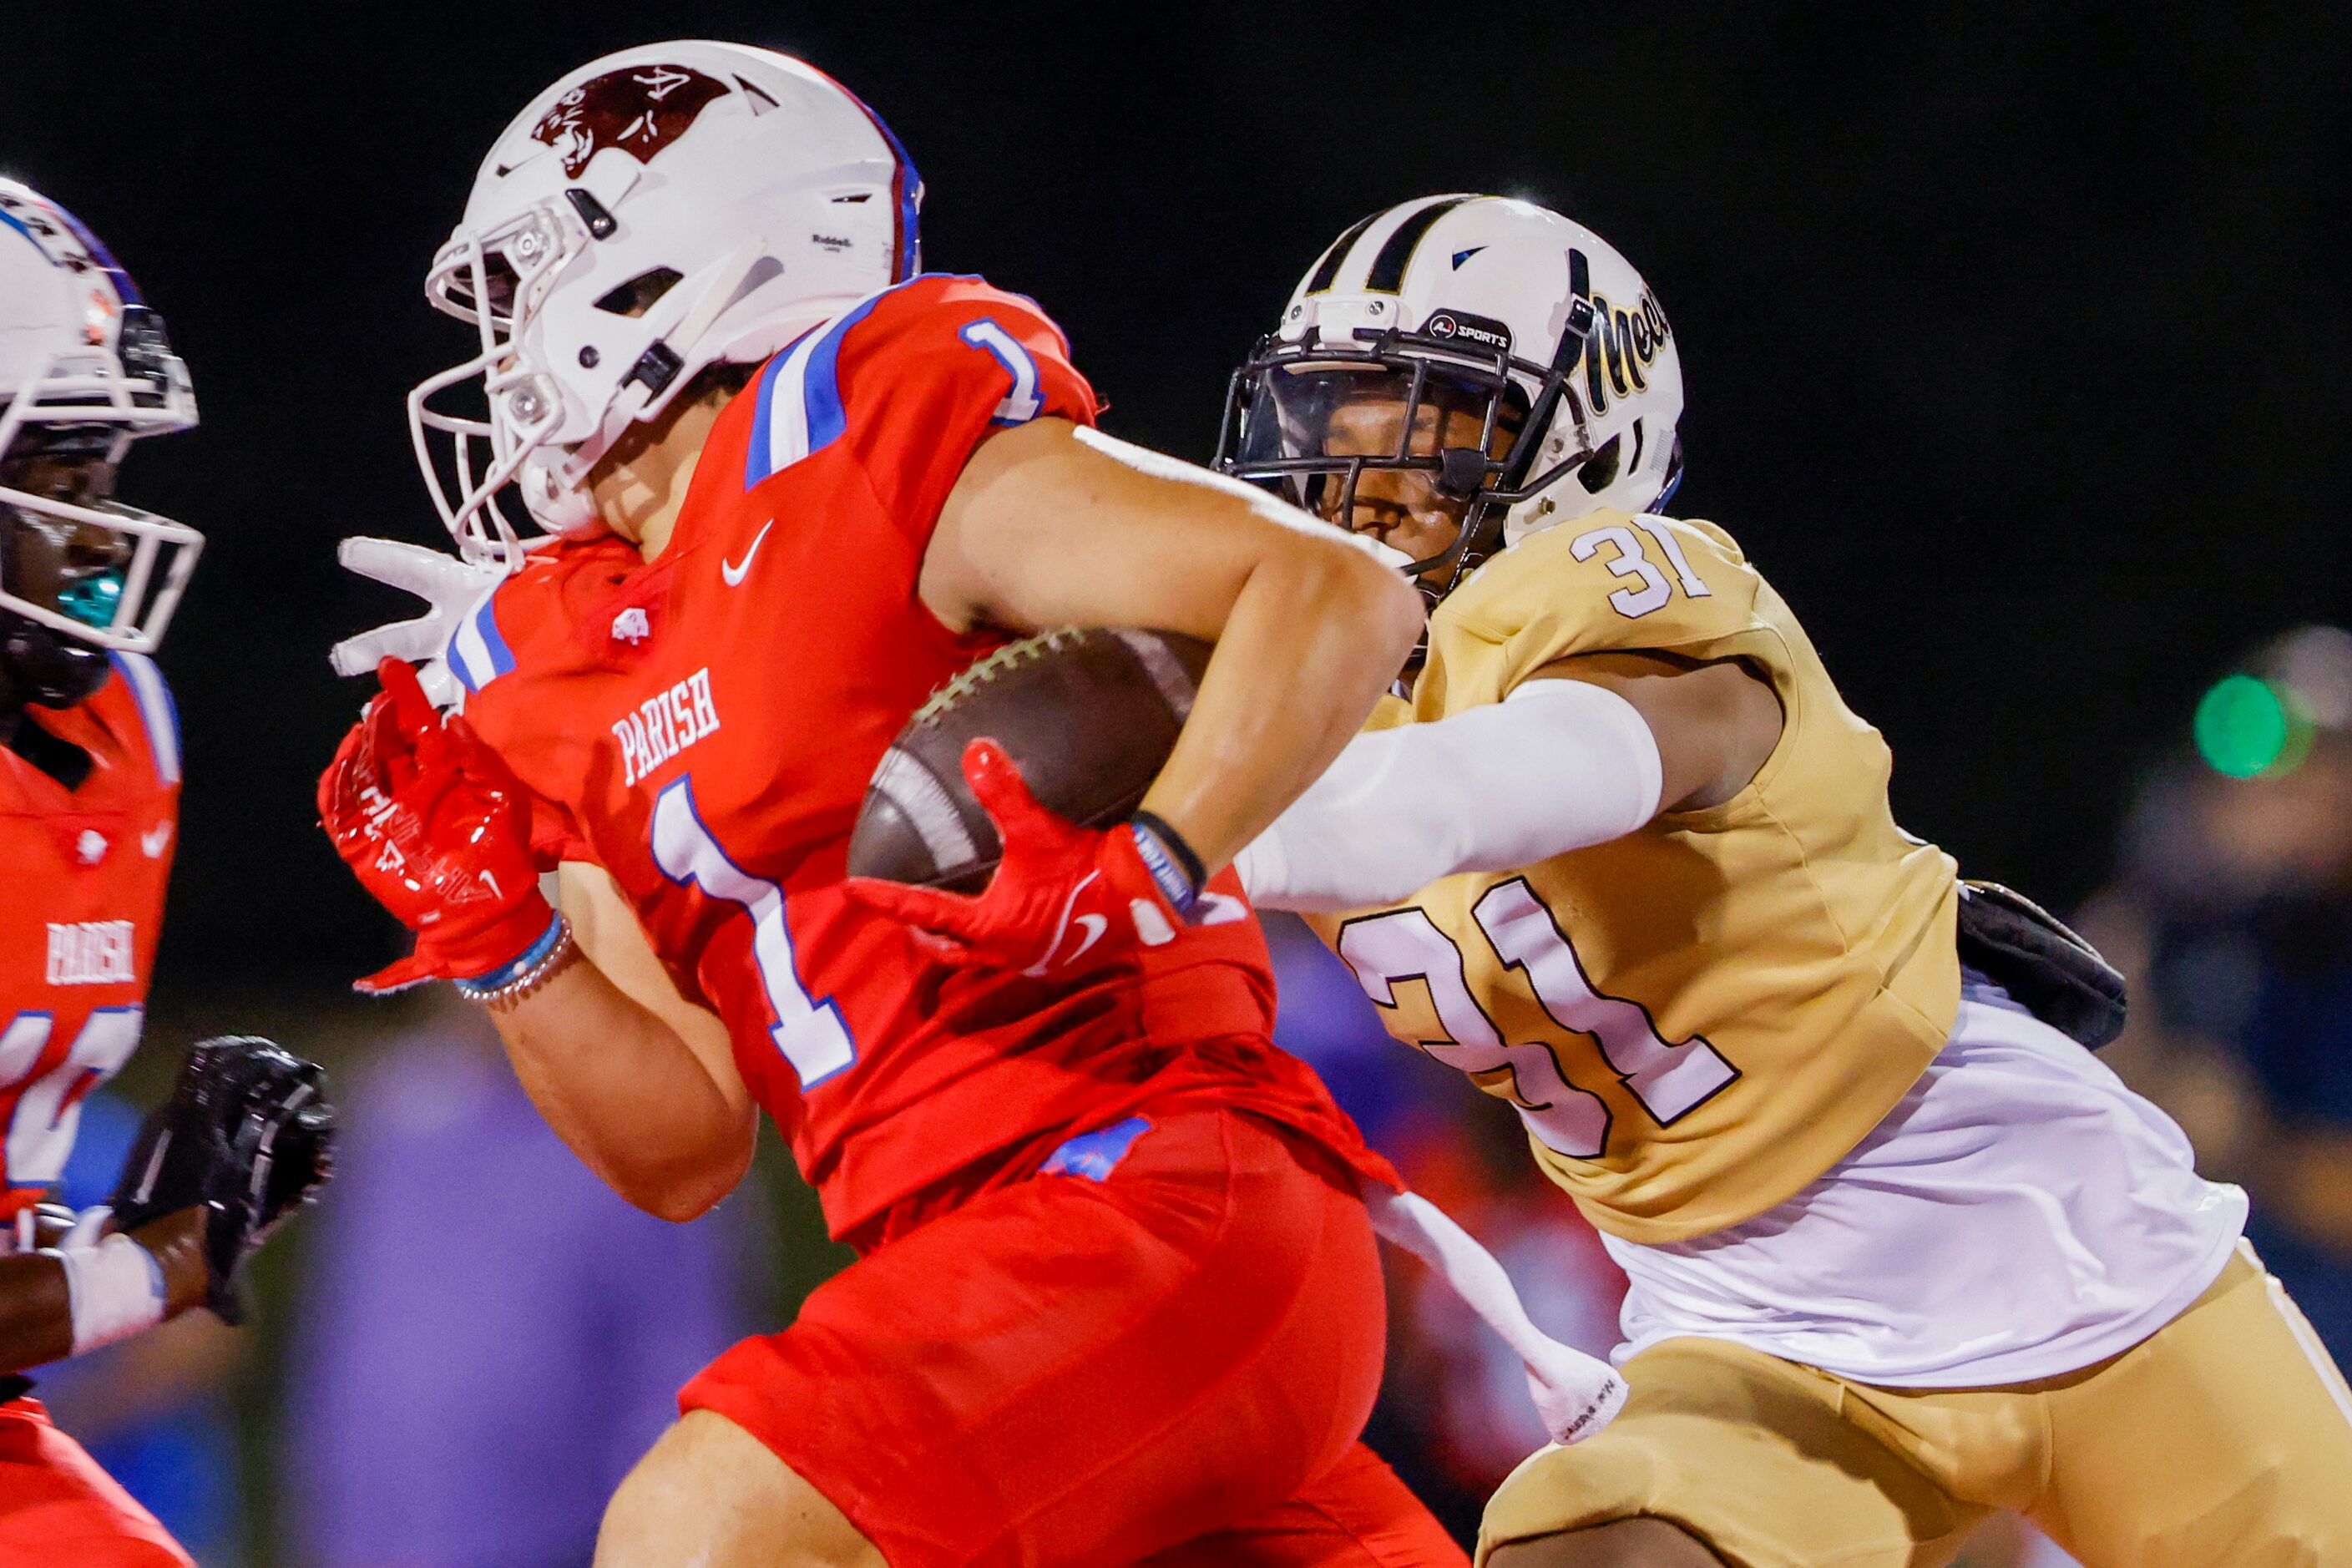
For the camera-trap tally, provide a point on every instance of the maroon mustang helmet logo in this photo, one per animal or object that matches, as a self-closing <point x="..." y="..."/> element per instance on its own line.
<point x="640" y="109"/>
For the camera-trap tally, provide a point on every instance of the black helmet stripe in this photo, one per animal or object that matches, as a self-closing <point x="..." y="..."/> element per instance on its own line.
<point x="1327" y="271"/>
<point x="1387" y="275"/>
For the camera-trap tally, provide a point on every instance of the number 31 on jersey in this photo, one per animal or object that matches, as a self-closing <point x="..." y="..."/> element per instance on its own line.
<point x="1647" y="588"/>
<point x="1668" y="1082"/>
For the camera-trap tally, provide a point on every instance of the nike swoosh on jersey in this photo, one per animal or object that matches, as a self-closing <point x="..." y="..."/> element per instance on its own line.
<point x="155" y="839"/>
<point x="732" y="570"/>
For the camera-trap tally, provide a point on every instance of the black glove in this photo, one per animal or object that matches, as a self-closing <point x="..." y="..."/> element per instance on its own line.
<point x="246" y="1136"/>
<point x="2032" y="954"/>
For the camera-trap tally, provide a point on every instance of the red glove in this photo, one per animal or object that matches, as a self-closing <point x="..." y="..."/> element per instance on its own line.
<point x="433" y="823"/>
<point x="1064" y="899"/>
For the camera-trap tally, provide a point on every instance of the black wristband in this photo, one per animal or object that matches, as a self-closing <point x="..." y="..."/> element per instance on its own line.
<point x="1187" y="860"/>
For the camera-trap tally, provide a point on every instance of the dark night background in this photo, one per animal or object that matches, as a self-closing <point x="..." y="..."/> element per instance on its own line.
<point x="2013" y="341"/>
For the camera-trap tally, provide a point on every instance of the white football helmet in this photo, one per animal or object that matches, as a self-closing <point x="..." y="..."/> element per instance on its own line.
<point x="85" y="370"/>
<point x="1481" y="312"/>
<point x="657" y="211"/>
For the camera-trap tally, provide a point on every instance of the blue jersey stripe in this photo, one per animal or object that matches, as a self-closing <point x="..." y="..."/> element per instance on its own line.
<point x="810" y="371"/>
<point x="784" y="433"/>
<point x="477" y="654"/>
<point x="756" y="463"/>
<point x="821" y="380"/>
<point x="502" y="658"/>
<point x="455" y="660"/>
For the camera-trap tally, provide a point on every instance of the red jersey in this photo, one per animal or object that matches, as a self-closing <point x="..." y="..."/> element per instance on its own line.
<point x="81" y="903"/>
<point x="704" y="726"/>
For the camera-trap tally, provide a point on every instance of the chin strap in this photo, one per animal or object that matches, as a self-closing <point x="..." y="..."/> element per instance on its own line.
<point x="554" y="492"/>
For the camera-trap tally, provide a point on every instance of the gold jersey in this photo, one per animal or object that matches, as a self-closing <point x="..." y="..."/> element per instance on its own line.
<point x="1697" y="1019"/>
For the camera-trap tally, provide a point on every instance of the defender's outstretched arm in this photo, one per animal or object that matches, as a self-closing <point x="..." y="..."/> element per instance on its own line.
<point x="1591" y="750"/>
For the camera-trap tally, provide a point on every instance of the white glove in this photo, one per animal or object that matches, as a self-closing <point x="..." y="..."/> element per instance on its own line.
<point x="451" y="585"/>
<point x="1576" y="1394"/>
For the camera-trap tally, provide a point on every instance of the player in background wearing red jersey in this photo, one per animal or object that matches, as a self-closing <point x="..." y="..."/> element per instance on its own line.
<point x="90" y="784"/>
<point x="1119" y="1300"/>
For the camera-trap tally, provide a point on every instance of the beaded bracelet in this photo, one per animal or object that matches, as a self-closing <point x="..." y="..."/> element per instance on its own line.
<point x="503" y="989"/>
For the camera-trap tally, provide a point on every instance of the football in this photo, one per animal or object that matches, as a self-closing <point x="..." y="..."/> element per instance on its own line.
<point x="1089" y="715"/>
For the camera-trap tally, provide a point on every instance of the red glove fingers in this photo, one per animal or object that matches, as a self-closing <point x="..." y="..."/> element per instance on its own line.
<point x="439" y="832"/>
<point x="1064" y="899"/>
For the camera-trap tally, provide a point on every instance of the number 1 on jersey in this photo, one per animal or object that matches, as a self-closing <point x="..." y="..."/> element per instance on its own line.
<point x="809" y="1034"/>
<point x="1022" y="403"/>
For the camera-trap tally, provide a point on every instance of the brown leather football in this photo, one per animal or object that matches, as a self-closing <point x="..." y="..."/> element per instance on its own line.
<point x="1089" y="716"/>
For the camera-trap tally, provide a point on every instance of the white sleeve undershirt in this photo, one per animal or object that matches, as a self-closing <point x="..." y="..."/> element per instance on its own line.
<point x="1556" y="766"/>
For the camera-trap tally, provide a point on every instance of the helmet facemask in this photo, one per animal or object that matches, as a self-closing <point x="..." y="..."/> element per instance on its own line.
<point x="1429" y="305"/>
<point x="496" y="282"/>
<point x="75" y="563"/>
<point x="1408" y="437"/>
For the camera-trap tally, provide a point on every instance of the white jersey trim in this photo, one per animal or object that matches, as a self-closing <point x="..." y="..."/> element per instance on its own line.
<point x="156" y="712"/>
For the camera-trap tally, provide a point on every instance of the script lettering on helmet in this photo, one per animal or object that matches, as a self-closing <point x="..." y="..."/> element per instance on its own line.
<point x="640" y="109"/>
<point x="1622" y="344"/>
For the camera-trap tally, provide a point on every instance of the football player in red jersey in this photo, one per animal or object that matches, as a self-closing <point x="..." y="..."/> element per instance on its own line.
<point x="90" y="784"/>
<point x="1118" y="1299"/>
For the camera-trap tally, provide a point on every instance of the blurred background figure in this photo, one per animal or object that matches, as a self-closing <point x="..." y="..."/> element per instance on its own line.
<point x="486" y="1337"/>
<point x="2231" y="913"/>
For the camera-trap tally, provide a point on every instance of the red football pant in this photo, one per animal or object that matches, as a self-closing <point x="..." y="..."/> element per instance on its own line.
<point x="57" y="1505"/>
<point x="1164" y="1351"/>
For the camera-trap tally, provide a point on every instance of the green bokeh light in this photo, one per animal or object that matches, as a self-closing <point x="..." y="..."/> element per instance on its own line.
<point x="2244" y="727"/>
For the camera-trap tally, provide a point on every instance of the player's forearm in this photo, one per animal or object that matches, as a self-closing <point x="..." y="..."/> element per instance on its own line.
<point x="627" y="1094"/>
<point x="1561" y="765"/>
<point x="35" y="1311"/>
<point x="42" y="1320"/>
<point x="1314" y="634"/>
